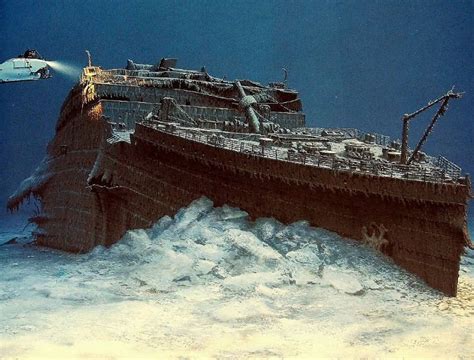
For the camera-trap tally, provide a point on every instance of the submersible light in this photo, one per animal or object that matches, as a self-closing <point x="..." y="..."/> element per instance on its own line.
<point x="69" y="70"/>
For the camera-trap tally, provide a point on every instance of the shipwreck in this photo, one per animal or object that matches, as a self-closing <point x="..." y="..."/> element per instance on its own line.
<point x="138" y="143"/>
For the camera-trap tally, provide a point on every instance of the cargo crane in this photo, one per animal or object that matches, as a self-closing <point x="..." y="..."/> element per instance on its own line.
<point x="408" y="117"/>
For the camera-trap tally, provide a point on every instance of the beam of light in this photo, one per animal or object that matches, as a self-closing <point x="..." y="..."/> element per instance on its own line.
<point x="67" y="69"/>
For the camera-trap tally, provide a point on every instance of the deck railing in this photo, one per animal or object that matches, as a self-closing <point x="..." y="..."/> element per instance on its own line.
<point x="445" y="172"/>
<point x="144" y="78"/>
<point x="449" y="167"/>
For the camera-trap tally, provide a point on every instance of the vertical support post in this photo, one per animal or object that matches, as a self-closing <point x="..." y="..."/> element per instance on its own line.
<point x="165" y="108"/>
<point x="404" y="151"/>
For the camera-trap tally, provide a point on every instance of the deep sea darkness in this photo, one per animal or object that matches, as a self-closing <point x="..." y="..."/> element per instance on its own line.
<point x="356" y="63"/>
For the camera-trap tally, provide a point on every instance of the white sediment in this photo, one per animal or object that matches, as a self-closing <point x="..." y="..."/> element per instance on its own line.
<point x="209" y="283"/>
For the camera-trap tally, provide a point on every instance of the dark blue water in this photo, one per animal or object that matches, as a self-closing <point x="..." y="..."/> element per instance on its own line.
<point x="357" y="64"/>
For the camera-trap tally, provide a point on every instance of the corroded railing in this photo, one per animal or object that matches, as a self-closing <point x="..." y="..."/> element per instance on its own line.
<point x="147" y="79"/>
<point x="371" y="167"/>
<point x="450" y="168"/>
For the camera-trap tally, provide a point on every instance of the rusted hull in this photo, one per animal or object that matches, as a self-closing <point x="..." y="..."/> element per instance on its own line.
<point x="92" y="190"/>
<point x="421" y="225"/>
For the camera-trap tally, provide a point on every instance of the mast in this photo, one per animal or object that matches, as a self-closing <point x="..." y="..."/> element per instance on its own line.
<point x="89" y="58"/>
<point x="408" y="117"/>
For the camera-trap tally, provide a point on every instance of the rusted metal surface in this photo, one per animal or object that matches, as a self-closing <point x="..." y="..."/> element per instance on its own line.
<point x="134" y="145"/>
